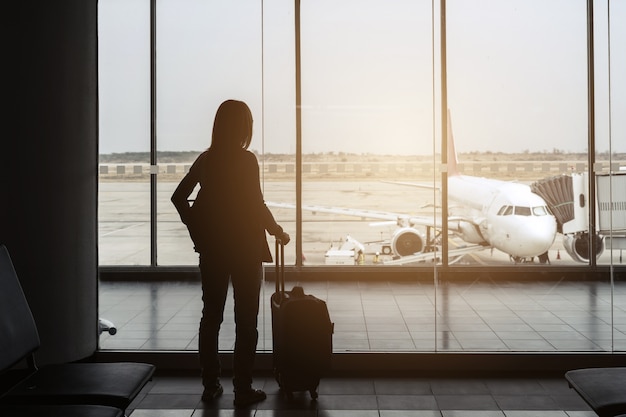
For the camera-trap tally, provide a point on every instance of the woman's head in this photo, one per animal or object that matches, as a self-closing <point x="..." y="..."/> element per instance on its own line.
<point x="232" y="128"/>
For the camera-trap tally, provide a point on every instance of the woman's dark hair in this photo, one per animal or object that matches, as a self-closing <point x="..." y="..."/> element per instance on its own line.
<point x="232" y="128"/>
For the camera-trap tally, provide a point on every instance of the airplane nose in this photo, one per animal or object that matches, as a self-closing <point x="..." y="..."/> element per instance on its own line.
<point x="534" y="241"/>
<point x="542" y="237"/>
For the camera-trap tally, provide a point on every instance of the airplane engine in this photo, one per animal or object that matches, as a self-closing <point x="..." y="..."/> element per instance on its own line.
<point x="407" y="241"/>
<point x="577" y="246"/>
<point x="472" y="233"/>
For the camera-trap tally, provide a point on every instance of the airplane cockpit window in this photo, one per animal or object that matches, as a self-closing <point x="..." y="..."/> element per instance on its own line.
<point x="508" y="210"/>
<point x="523" y="211"/>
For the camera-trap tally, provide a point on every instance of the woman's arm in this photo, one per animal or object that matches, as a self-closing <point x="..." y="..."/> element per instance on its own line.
<point x="182" y="193"/>
<point x="266" y="216"/>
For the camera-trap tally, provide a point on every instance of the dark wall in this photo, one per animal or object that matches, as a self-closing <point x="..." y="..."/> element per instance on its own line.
<point x="48" y="168"/>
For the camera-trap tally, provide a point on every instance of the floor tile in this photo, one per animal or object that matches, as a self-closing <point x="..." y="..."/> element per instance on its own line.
<point x="162" y="413"/>
<point x="540" y="413"/>
<point x="407" y="402"/>
<point x="409" y="413"/>
<point x="526" y="402"/>
<point x="471" y="413"/>
<point x="466" y="402"/>
<point x="347" y="402"/>
<point x="170" y="401"/>
<point x="401" y="386"/>
<point x="459" y="387"/>
<point x="285" y="413"/>
<point x="348" y="413"/>
<point x="335" y="386"/>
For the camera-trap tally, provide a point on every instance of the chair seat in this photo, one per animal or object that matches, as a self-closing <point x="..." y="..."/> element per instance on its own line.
<point x="60" y="411"/>
<point x="604" y="389"/>
<point x="109" y="384"/>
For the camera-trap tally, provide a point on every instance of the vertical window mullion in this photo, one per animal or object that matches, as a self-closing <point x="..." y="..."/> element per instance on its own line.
<point x="153" y="141"/>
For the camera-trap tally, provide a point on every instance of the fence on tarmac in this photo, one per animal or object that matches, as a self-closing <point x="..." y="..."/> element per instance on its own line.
<point x="344" y="170"/>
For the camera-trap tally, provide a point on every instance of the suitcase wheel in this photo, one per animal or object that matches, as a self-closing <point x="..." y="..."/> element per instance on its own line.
<point x="289" y="394"/>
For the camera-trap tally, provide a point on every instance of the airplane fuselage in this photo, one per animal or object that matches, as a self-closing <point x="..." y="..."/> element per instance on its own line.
<point x="505" y="215"/>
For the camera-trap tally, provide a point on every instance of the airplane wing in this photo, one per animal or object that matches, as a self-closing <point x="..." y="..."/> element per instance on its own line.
<point x="364" y="214"/>
<point x="455" y="255"/>
<point x="400" y="219"/>
<point x="415" y="185"/>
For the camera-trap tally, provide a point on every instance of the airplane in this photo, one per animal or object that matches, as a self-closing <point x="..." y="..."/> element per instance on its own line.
<point x="485" y="213"/>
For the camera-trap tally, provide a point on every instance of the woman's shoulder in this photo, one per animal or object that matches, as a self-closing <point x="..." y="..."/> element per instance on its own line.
<point x="252" y="160"/>
<point x="249" y="155"/>
<point x="203" y="155"/>
<point x="237" y="157"/>
<point x="200" y="159"/>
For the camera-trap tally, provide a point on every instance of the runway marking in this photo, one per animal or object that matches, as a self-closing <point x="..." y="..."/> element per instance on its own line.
<point x="123" y="228"/>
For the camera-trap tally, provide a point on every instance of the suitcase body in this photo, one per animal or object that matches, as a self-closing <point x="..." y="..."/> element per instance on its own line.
<point x="302" y="336"/>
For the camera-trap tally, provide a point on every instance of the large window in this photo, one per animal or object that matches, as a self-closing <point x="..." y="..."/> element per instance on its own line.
<point x="124" y="137"/>
<point x="214" y="56"/>
<point x="359" y="165"/>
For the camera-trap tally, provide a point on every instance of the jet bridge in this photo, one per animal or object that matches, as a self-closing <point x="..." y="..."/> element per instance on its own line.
<point x="567" y="197"/>
<point x="558" y="192"/>
<point x="611" y="191"/>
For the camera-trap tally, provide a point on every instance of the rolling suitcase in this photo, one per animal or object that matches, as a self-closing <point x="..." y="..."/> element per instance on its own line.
<point x="302" y="335"/>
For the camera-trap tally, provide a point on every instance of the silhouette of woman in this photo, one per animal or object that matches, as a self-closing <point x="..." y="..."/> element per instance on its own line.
<point x="227" y="223"/>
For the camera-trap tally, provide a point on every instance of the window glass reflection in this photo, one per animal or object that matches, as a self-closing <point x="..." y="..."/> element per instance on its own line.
<point x="518" y="98"/>
<point x="519" y="116"/>
<point x="367" y="126"/>
<point x="198" y="69"/>
<point x="124" y="132"/>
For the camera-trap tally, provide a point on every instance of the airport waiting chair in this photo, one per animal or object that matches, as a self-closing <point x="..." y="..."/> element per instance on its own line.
<point x="60" y="411"/>
<point x="604" y="389"/>
<point x="22" y="382"/>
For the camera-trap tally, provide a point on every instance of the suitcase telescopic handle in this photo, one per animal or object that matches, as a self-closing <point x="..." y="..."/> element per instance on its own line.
<point x="280" y="267"/>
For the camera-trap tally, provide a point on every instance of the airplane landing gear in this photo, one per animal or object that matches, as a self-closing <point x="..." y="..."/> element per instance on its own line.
<point x="522" y="259"/>
<point x="544" y="258"/>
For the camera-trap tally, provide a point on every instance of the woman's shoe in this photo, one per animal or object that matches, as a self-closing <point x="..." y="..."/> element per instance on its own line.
<point x="213" y="392"/>
<point x="248" y="397"/>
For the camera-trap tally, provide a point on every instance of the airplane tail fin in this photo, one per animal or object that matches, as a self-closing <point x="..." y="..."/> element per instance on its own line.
<point x="452" y="159"/>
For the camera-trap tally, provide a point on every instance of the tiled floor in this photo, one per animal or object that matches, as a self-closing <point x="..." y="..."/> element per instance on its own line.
<point x="478" y="316"/>
<point x="545" y="396"/>
<point x="392" y="317"/>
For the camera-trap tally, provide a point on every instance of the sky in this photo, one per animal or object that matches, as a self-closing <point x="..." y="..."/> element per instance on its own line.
<point x="516" y="74"/>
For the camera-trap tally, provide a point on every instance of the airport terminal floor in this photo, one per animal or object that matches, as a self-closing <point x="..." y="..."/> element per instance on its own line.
<point x="392" y="316"/>
<point x="417" y="396"/>
<point x="386" y="316"/>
